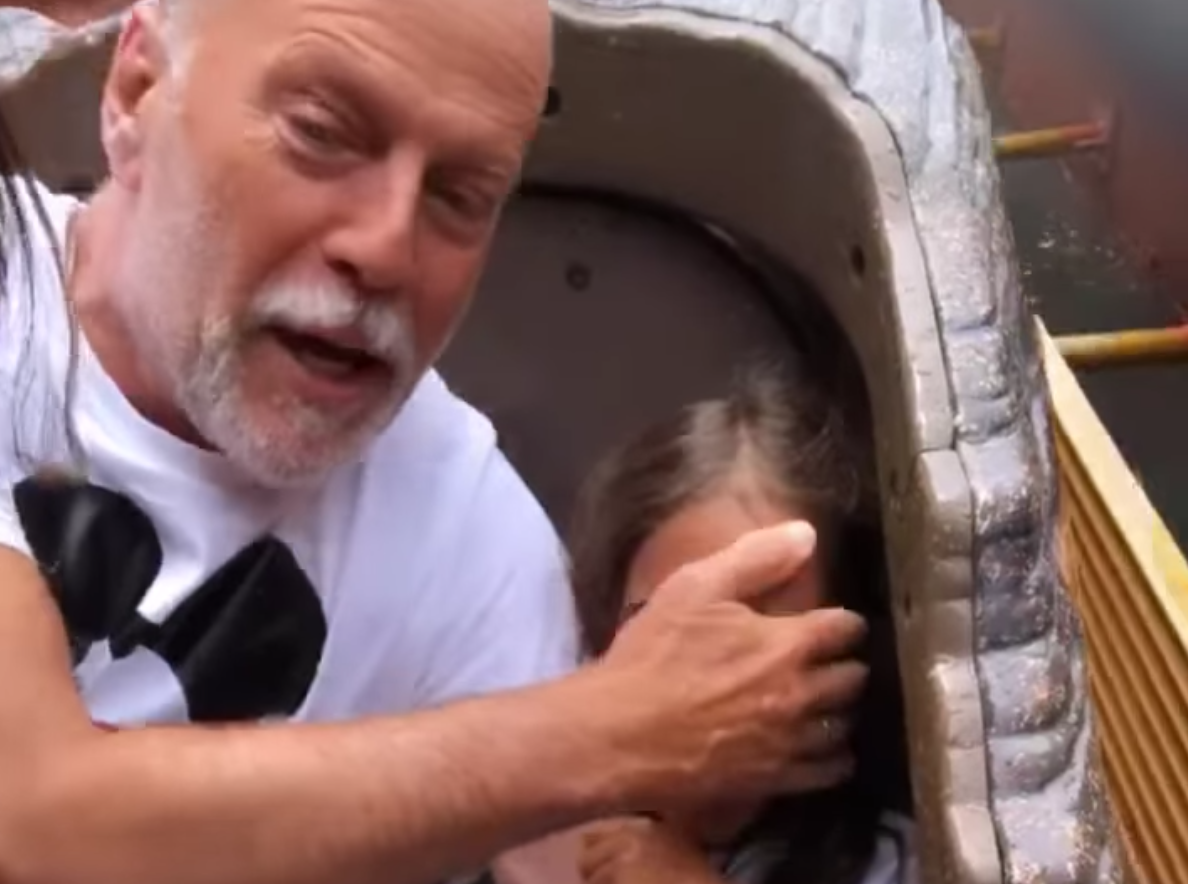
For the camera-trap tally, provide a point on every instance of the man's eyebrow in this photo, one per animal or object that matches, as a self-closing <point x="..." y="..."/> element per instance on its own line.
<point x="499" y="168"/>
<point x="332" y="81"/>
<point x="502" y="172"/>
<point x="367" y="100"/>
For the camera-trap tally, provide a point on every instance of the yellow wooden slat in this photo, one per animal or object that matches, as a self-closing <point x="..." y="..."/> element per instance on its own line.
<point x="1156" y="650"/>
<point x="1171" y="561"/>
<point x="1142" y="692"/>
<point x="1142" y="723"/>
<point x="1130" y="513"/>
<point x="1152" y="854"/>
<point x="1130" y="583"/>
<point x="1144" y="868"/>
<point x="1144" y="809"/>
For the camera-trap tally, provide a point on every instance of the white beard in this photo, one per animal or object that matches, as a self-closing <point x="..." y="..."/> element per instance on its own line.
<point x="172" y="286"/>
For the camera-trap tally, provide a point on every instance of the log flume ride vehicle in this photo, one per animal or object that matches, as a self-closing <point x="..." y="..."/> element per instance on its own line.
<point x="720" y="177"/>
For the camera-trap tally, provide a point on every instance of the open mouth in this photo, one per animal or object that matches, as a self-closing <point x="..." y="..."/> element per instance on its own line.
<point x="329" y="359"/>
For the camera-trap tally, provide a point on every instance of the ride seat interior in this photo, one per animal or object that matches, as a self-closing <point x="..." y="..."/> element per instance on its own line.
<point x="599" y="314"/>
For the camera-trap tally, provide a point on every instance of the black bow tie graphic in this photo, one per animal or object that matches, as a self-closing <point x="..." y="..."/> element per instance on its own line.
<point x="245" y="645"/>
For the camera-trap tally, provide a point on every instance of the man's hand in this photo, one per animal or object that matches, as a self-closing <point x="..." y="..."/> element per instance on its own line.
<point x="720" y="701"/>
<point x="640" y="851"/>
<point x="552" y="860"/>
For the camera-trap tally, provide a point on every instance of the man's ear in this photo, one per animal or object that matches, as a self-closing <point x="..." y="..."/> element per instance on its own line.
<point x="140" y="64"/>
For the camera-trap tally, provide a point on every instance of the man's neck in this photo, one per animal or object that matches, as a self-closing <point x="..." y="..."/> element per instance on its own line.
<point x="93" y="244"/>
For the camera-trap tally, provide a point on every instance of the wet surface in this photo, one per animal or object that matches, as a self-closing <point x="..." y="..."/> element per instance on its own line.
<point x="1077" y="279"/>
<point x="1146" y="38"/>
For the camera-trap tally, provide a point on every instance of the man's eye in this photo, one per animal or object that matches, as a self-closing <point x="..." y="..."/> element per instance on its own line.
<point x="470" y="204"/>
<point x="316" y="133"/>
<point x="476" y="205"/>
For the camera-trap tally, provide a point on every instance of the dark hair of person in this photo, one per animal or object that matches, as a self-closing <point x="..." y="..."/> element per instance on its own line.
<point x="790" y="436"/>
<point x="17" y="199"/>
<point x="14" y="228"/>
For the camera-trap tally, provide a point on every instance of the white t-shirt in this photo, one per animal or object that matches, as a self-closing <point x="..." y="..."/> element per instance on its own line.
<point x="426" y="573"/>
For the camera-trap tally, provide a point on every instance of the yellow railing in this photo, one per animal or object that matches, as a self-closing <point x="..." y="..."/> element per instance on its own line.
<point x="1130" y="582"/>
<point x="1121" y="348"/>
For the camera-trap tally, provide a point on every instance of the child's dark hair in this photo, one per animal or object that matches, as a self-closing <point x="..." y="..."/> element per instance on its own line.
<point x="785" y="436"/>
<point x="792" y="438"/>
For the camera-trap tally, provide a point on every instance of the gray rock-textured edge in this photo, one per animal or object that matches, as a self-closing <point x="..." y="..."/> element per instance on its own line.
<point x="909" y="63"/>
<point x="28" y="41"/>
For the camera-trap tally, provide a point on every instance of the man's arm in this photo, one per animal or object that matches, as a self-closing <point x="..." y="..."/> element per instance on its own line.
<point x="699" y="698"/>
<point x="512" y="624"/>
<point x="406" y="799"/>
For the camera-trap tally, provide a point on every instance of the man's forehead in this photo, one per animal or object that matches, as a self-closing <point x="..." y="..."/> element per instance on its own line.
<point x="525" y="24"/>
<point x="500" y="44"/>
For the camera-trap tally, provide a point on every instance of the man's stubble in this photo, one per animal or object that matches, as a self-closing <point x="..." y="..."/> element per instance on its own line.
<point x="186" y="337"/>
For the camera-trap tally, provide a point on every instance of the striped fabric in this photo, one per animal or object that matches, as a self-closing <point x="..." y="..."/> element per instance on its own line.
<point x="894" y="860"/>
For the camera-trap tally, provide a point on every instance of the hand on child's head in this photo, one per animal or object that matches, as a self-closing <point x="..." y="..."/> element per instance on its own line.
<point x="699" y="527"/>
<point x="781" y="551"/>
<point x="767" y="691"/>
<point x="784" y="551"/>
<point x="697" y="534"/>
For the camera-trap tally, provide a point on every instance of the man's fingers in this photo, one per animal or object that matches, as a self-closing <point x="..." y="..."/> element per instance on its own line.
<point x="605" y="842"/>
<point x="817" y="775"/>
<point x="826" y="634"/>
<point x="834" y="688"/>
<point x="823" y="737"/>
<point x="753" y="565"/>
<point x="599" y="846"/>
<point x="591" y="864"/>
<point x="596" y="856"/>
<point x="609" y="834"/>
<point x="601" y="875"/>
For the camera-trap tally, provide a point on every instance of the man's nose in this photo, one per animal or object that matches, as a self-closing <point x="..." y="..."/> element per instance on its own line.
<point x="376" y="244"/>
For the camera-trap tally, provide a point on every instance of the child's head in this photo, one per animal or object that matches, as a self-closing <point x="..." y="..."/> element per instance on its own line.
<point x="774" y="449"/>
<point x="690" y="486"/>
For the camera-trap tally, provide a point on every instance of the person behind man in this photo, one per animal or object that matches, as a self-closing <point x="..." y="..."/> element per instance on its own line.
<point x="287" y="517"/>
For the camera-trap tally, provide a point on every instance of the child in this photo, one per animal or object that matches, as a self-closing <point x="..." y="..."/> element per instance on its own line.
<point x="769" y="453"/>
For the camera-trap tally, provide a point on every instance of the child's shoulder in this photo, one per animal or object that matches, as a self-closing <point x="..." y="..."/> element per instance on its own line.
<point x="892" y="862"/>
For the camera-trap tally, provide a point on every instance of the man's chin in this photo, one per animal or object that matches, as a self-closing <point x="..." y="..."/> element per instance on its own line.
<point x="278" y="440"/>
<point x="284" y="473"/>
<point x="287" y="458"/>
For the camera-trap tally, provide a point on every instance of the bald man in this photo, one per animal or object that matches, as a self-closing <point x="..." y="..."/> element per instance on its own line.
<point x="300" y="621"/>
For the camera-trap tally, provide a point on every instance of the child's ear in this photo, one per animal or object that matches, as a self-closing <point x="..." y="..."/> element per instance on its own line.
<point x="140" y="64"/>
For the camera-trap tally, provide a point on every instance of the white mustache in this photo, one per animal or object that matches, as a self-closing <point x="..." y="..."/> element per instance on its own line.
<point x="331" y="307"/>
